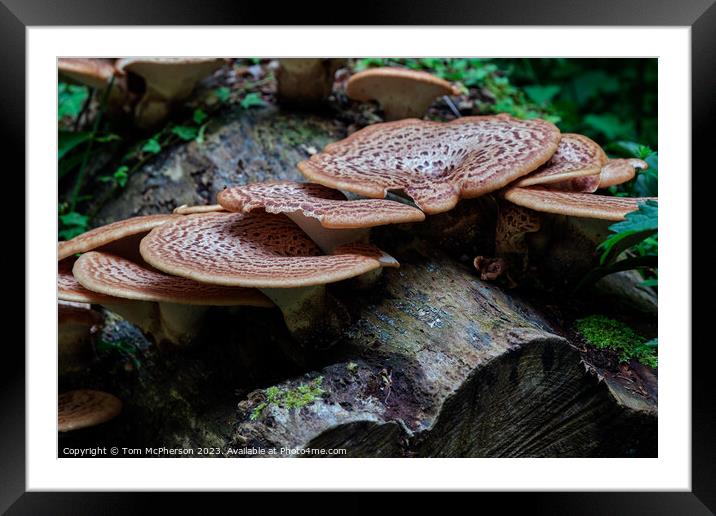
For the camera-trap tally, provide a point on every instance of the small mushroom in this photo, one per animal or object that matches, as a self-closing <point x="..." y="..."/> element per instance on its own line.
<point x="93" y="72"/>
<point x="618" y="171"/>
<point x="605" y="207"/>
<point x="306" y="81"/>
<point x="435" y="163"/>
<point x="575" y="166"/>
<point x="162" y="81"/>
<point x="169" y="308"/>
<point x="85" y="408"/>
<point x="402" y="93"/>
<point x="260" y="250"/>
<point x="322" y="213"/>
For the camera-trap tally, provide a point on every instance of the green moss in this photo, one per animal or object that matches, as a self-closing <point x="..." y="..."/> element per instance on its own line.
<point x="605" y="333"/>
<point x="295" y="398"/>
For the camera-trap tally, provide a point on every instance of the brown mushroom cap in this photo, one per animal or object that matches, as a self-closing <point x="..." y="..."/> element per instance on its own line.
<point x="256" y="250"/>
<point x="170" y="77"/>
<point x="81" y="314"/>
<point x="575" y="204"/>
<point x="328" y="206"/>
<point x="401" y="92"/>
<point x="436" y="163"/>
<point x="69" y="289"/>
<point x="85" y="408"/>
<point x="576" y="157"/>
<point x="109" y="234"/>
<point x="118" y="277"/>
<point x="93" y="72"/>
<point x="618" y="171"/>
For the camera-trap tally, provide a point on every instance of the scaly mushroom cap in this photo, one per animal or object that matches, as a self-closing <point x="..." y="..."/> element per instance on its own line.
<point x="436" y="163"/>
<point x="575" y="204"/>
<point x="109" y="234"/>
<point x="328" y="206"/>
<point x="618" y="171"/>
<point x="402" y="93"/>
<point x="256" y="250"/>
<point x="94" y="73"/>
<point x="574" y="167"/>
<point x="85" y="408"/>
<point x="173" y="78"/>
<point x="116" y="276"/>
<point x="69" y="289"/>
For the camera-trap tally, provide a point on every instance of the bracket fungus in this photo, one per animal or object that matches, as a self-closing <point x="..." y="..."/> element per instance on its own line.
<point x="260" y="250"/>
<point x="162" y="81"/>
<point x="170" y="308"/>
<point x="402" y="93"/>
<point x="306" y="81"/>
<point x="92" y="72"/>
<point x="618" y="171"/>
<point x="435" y="163"/>
<point x="575" y="166"/>
<point x="85" y="408"/>
<point x="323" y="213"/>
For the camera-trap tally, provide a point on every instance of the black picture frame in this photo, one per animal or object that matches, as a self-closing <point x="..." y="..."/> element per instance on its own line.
<point x="699" y="15"/>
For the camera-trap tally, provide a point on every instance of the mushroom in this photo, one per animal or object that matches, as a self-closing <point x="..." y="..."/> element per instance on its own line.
<point x="402" y="93"/>
<point x="265" y="251"/>
<point x="575" y="166"/>
<point x="575" y="204"/>
<point x="618" y="171"/>
<point x="322" y="213"/>
<point x="435" y="163"/>
<point x="306" y="81"/>
<point x="93" y="72"/>
<point x="121" y="237"/>
<point x="76" y="323"/>
<point x="169" y="308"/>
<point x="162" y="81"/>
<point x="85" y="408"/>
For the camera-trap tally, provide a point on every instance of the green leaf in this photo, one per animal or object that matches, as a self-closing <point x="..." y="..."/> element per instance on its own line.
<point x="609" y="125"/>
<point x="152" y="146"/>
<point x="74" y="219"/>
<point x="653" y="282"/>
<point x="200" y="136"/>
<point x="542" y="94"/>
<point x="199" y="116"/>
<point x="622" y="265"/>
<point x="121" y="175"/>
<point x="184" y="132"/>
<point x="70" y="99"/>
<point x="251" y="99"/>
<point x="110" y="137"/>
<point x="645" y="218"/>
<point x="223" y="93"/>
<point x="68" y="140"/>
<point x="616" y="244"/>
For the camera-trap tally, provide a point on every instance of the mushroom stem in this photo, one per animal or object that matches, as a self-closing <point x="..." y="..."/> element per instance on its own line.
<point x="325" y="238"/>
<point x="76" y="322"/>
<point x="142" y="314"/>
<point x="312" y="316"/>
<point x="180" y="323"/>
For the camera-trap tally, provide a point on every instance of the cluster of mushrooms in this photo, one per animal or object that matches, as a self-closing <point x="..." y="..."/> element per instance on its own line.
<point x="276" y="245"/>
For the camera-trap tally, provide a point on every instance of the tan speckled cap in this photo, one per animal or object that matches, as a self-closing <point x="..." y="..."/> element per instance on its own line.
<point x="575" y="204"/>
<point x="618" y="171"/>
<point x="115" y="276"/>
<point x="93" y="72"/>
<point x="401" y="92"/>
<point x="85" y="408"/>
<point x="574" y="167"/>
<point x="436" y="163"/>
<point x="326" y="205"/>
<point x="69" y="289"/>
<point x="256" y="250"/>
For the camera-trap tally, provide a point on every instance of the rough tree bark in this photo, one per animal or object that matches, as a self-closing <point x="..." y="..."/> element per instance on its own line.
<point x="433" y="363"/>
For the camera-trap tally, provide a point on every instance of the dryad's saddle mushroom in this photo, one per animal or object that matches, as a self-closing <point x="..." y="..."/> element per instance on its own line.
<point x="85" y="408"/>
<point x="618" y="171"/>
<point x="259" y="250"/>
<point x="323" y="213"/>
<point x="402" y="93"/>
<point x="435" y="163"/>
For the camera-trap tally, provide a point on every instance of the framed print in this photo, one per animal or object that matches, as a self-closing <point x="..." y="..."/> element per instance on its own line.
<point x="429" y="253"/>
